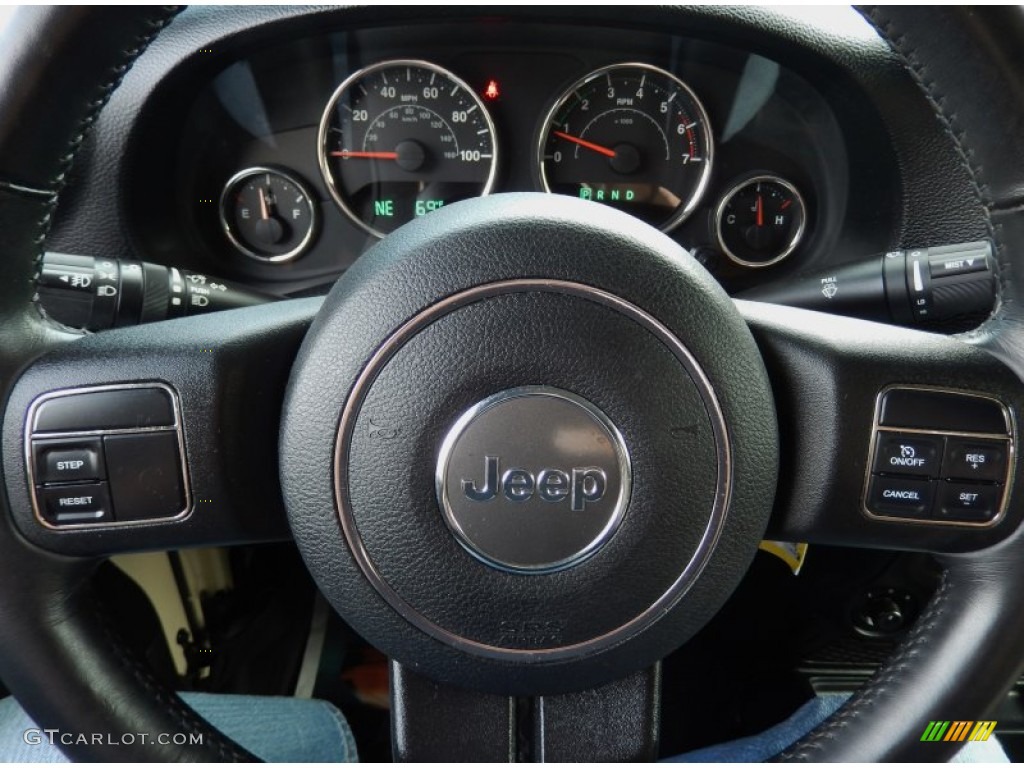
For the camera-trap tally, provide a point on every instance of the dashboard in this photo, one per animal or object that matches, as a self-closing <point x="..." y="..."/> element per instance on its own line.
<point x="277" y="159"/>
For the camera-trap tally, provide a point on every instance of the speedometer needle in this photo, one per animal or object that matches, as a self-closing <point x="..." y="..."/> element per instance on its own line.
<point x="587" y="144"/>
<point x="371" y="155"/>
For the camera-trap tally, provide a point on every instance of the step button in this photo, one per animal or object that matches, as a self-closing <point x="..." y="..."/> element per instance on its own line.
<point x="901" y="497"/>
<point x="897" y="453"/>
<point x="66" y="461"/>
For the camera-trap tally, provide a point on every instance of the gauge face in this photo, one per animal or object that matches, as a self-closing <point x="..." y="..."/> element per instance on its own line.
<point x="631" y="136"/>
<point x="761" y="221"/>
<point x="267" y="214"/>
<point x="401" y="139"/>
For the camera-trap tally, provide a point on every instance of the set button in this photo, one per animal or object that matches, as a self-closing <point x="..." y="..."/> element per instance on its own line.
<point x="968" y="502"/>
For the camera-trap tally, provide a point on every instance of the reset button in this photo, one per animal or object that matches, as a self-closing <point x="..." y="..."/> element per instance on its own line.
<point x="68" y="504"/>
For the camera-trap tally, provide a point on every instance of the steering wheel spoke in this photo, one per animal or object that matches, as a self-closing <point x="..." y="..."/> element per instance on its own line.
<point x="615" y="722"/>
<point x="158" y="436"/>
<point x="892" y="437"/>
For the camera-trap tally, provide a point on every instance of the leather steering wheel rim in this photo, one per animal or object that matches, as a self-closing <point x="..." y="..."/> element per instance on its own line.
<point x="63" y="662"/>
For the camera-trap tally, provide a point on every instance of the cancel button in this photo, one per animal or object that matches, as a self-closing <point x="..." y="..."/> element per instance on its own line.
<point x="900" y="497"/>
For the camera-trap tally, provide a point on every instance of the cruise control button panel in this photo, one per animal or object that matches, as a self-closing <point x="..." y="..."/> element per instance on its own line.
<point x="939" y="457"/>
<point x="107" y="456"/>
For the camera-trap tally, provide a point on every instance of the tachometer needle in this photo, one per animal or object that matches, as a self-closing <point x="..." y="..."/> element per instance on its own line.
<point x="370" y="155"/>
<point x="587" y="144"/>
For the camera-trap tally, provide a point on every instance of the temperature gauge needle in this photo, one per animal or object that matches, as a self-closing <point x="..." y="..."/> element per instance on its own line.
<point x="760" y="211"/>
<point x="346" y="153"/>
<point x="586" y="144"/>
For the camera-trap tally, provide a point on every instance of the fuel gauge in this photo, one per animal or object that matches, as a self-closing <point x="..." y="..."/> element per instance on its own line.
<point x="761" y="221"/>
<point x="268" y="215"/>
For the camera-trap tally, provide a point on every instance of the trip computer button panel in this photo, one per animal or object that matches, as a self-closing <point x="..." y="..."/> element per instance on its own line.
<point x="939" y="457"/>
<point x="107" y="456"/>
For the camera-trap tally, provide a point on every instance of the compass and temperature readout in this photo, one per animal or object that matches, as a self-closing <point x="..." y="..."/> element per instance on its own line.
<point x="631" y="136"/>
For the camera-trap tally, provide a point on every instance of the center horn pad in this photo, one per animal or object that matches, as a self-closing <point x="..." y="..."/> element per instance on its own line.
<point x="533" y="480"/>
<point x="547" y="439"/>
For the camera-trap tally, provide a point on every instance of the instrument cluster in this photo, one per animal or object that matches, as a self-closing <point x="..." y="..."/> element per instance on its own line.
<point x="305" y="152"/>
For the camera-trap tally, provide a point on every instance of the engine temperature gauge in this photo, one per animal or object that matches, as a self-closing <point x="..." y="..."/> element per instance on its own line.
<point x="760" y="221"/>
<point x="267" y="214"/>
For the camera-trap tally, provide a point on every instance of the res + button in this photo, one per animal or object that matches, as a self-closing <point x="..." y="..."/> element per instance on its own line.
<point x="983" y="460"/>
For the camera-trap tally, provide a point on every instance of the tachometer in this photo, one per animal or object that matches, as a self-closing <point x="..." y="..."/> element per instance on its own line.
<point x="631" y="136"/>
<point x="402" y="138"/>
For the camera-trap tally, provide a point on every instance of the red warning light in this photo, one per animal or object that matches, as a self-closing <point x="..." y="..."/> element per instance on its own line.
<point x="491" y="92"/>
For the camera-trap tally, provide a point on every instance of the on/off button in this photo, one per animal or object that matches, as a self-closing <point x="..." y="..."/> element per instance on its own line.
<point x="900" y="497"/>
<point x="904" y="454"/>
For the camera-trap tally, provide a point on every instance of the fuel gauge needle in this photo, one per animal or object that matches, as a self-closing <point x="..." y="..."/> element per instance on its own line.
<point x="264" y="208"/>
<point x="347" y="153"/>
<point x="585" y="144"/>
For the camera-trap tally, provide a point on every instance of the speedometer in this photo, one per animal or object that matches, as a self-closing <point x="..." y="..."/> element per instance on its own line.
<point x="631" y="136"/>
<point x="402" y="138"/>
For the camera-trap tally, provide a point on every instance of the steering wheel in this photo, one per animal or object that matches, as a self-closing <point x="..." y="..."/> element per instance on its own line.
<point x="527" y="445"/>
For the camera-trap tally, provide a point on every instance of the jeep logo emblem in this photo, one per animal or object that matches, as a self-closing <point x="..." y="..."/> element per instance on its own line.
<point x="533" y="480"/>
<point x="579" y="486"/>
